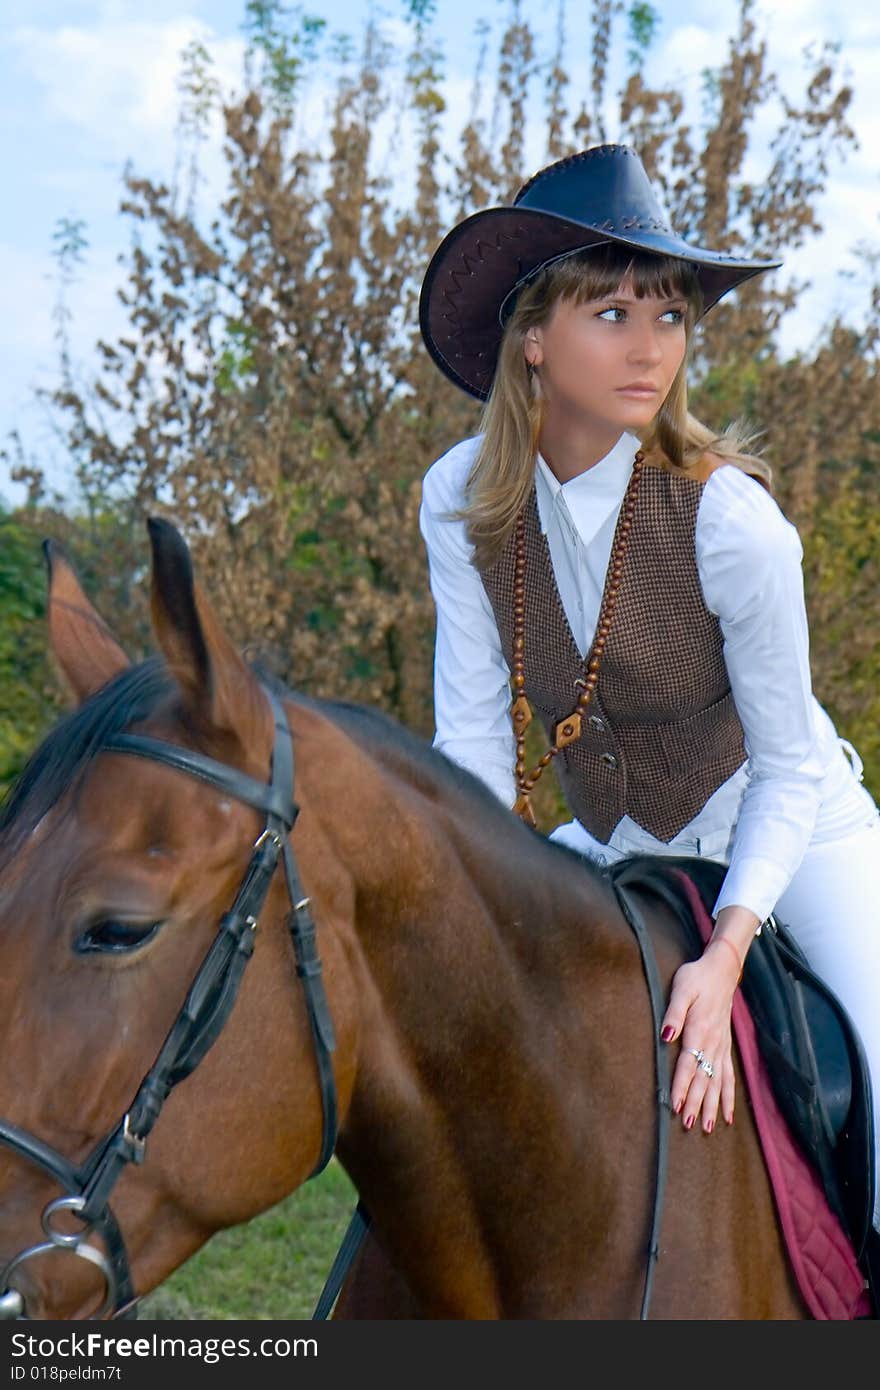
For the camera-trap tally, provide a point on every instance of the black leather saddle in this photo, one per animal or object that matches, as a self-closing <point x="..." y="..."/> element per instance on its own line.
<point x="813" y="1054"/>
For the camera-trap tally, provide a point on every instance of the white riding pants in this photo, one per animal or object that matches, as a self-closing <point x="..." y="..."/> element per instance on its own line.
<point x="832" y="909"/>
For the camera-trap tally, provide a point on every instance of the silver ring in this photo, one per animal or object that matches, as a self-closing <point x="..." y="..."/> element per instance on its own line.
<point x="702" y="1060"/>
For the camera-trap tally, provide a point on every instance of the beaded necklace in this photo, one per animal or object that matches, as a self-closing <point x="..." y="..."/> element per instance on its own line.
<point x="569" y="728"/>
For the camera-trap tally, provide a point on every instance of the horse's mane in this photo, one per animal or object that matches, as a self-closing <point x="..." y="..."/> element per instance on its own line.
<point x="71" y="745"/>
<point x="436" y="775"/>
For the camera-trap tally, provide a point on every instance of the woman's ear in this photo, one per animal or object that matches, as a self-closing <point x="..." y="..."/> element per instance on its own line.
<point x="87" y="653"/>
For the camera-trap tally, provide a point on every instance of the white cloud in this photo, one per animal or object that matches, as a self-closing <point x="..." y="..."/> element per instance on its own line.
<point x="117" y="81"/>
<point x="29" y="359"/>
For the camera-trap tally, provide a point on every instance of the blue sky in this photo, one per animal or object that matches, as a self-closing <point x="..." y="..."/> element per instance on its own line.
<point x="86" y="86"/>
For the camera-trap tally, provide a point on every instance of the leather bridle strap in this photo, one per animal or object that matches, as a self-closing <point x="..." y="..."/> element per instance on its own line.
<point x="619" y="877"/>
<point x="354" y="1237"/>
<point x="195" y="1030"/>
<point x="199" y="1022"/>
<point x="204" y="1012"/>
<point x="301" y="926"/>
<point x="73" y="1181"/>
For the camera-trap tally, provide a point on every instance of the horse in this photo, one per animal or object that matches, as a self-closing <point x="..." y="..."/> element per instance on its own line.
<point x="244" y="928"/>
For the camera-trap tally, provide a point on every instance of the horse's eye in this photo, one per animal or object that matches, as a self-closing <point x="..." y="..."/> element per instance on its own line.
<point x="110" y="935"/>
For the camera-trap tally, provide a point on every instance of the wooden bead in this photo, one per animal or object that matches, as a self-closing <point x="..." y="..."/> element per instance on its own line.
<point x="586" y="684"/>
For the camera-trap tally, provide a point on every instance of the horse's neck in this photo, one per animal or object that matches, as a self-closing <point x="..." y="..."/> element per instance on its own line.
<point x="474" y="1032"/>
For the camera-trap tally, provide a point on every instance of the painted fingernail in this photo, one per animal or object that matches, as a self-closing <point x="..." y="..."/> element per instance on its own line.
<point x="668" y="1033"/>
<point x="689" y="1122"/>
<point x="710" y="1126"/>
<point x="679" y="1104"/>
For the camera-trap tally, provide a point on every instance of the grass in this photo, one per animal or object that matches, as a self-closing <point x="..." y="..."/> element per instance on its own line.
<point x="272" y="1268"/>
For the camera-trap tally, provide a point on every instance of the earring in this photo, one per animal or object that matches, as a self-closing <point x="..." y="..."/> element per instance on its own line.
<point x="534" y="378"/>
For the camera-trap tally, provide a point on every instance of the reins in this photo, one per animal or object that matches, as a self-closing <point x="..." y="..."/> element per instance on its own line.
<point x="359" y="1224"/>
<point x="620" y="874"/>
<point x="202" y="1017"/>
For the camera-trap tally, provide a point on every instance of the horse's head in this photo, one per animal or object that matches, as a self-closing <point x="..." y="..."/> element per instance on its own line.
<point x="117" y="875"/>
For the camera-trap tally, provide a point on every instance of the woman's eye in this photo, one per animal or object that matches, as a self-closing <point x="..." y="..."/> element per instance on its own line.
<point x="110" y="935"/>
<point x="670" y="315"/>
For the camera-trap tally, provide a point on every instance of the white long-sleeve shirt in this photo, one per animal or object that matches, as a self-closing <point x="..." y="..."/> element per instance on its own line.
<point x="796" y="784"/>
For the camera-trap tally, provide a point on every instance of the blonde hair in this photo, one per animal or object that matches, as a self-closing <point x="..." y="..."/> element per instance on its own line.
<point x="501" y="476"/>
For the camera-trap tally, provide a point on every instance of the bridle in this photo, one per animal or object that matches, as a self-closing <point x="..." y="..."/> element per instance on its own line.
<point x="207" y="1006"/>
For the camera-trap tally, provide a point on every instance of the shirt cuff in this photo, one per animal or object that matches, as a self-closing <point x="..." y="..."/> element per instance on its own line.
<point x="753" y="883"/>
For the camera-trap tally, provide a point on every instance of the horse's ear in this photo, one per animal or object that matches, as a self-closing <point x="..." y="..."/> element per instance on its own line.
<point x="218" y="688"/>
<point x="85" y="649"/>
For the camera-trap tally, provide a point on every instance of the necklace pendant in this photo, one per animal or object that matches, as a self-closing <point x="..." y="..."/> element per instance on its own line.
<point x="567" y="730"/>
<point x="524" y="809"/>
<point x="520" y="713"/>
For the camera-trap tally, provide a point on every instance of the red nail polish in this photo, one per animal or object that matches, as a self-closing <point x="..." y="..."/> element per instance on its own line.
<point x="668" y="1033"/>
<point x="710" y="1126"/>
<point x="689" y="1122"/>
<point x="678" y="1106"/>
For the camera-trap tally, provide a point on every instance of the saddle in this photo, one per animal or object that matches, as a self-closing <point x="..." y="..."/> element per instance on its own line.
<point x="813" y="1054"/>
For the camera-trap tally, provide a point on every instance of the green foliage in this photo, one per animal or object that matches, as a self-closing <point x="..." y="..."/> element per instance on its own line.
<point x="843" y="559"/>
<point x="25" y="679"/>
<point x="420" y="11"/>
<point x="285" y="39"/>
<point x="644" y="21"/>
<point x="235" y="362"/>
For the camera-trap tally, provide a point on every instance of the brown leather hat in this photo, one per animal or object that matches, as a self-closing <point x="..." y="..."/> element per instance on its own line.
<point x="598" y="195"/>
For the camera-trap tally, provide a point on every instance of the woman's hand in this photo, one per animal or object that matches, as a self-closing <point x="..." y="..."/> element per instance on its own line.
<point x="699" y="1013"/>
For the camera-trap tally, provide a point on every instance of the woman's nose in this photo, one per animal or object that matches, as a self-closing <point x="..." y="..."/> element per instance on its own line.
<point x="645" y="347"/>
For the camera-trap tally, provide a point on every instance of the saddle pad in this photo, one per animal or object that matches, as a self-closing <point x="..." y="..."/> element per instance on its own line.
<point x="821" y="1254"/>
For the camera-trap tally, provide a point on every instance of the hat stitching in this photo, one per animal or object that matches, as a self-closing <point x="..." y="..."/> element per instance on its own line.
<point x="471" y="258"/>
<point x="597" y="152"/>
<point x="628" y="223"/>
<point x="646" y="224"/>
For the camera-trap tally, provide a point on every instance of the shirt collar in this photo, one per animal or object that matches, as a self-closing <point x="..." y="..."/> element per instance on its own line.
<point x="592" y="496"/>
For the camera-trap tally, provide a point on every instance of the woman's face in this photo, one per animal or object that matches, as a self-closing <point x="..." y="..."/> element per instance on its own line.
<point x="593" y="358"/>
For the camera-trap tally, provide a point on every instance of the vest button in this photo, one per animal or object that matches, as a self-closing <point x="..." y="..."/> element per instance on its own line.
<point x="597" y="723"/>
<point x="608" y="758"/>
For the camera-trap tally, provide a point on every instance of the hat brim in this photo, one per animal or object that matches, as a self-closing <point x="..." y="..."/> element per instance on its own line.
<point x="481" y="259"/>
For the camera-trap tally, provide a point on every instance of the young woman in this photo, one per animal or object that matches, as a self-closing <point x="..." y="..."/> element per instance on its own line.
<point x="631" y="574"/>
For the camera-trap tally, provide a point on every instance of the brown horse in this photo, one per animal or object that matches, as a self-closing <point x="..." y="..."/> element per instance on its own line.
<point x="494" y="1046"/>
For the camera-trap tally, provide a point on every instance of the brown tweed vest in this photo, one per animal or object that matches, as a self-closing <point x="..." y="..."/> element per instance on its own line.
<point x="661" y="732"/>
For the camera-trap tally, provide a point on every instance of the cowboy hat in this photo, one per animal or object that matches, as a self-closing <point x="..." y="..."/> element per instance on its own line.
<point x="599" y="195"/>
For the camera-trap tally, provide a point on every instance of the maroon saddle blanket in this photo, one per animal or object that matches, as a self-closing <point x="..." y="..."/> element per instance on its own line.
<point x="822" y="1257"/>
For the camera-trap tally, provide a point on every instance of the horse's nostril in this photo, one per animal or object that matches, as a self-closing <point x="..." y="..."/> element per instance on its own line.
<point x="11" y="1305"/>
